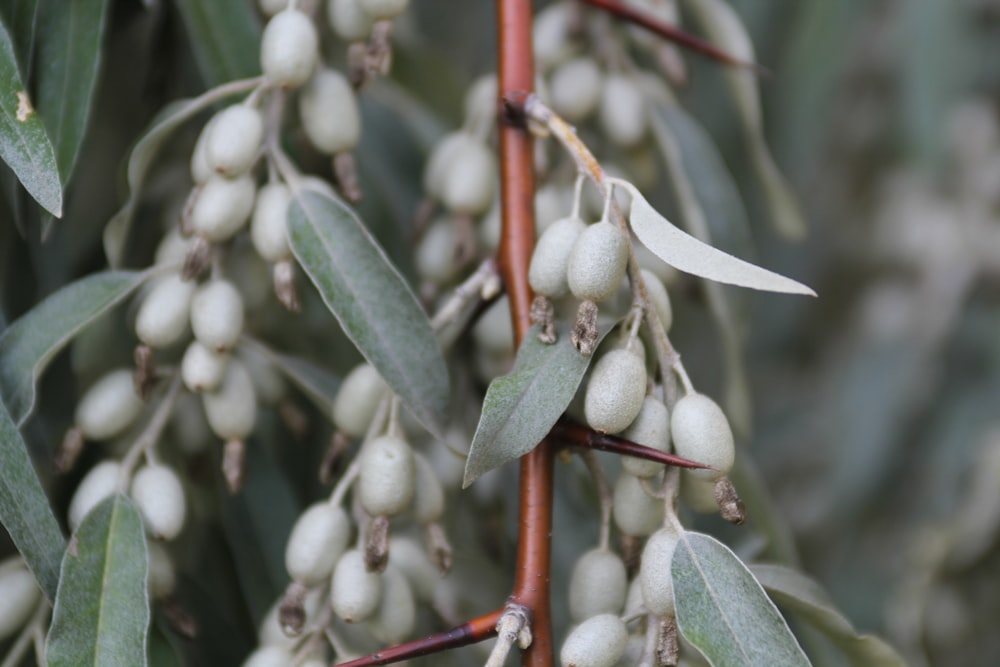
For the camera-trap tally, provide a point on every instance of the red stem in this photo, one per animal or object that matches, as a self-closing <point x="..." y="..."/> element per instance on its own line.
<point x="581" y="436"/>
<point x="474" y="631"/>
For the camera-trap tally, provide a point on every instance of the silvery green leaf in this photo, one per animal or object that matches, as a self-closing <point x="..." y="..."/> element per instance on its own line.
<point x="686" y="253"/>
<point x="723" y="611"/>
<point x="374" y="305"/>
<point x="798" y="593"/>
<point x="28" y="345"/>
<point x="521" y="407"/>
<point x="101" y="614"/>
<point x="723" y="27"/>
<point x="25" y="511"/>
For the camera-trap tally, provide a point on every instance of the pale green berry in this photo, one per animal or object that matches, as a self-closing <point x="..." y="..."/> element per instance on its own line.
<point x="202" y="369"/>
<point x="159" y="495"/>
<point x="217" y="315"/>
<point x="99" y="483"/>
<point x="428" y="496"/>
<point x="386" y="481"/>
<point x="383" y="10"/>
<point x="161" y="578"/>
<point x="411" y="559"/>
<point x="701" y="433"/>
<point x="232" y="408"/>
<point x="481" y="100"/>
<point x="270" y="656"/>
<point x="597" y="642"/>
<point x="633" y="599"/>
<point x="658" y="298"/>
<point x="635" y="511"/>
<point x="469" y="183"/>
<point x="354" y="591"/>
<point x="163" y="316"/>
<point x="19" y="595"/>
<point x="654" y="572"/>
<point x="201" y="171"/>
<point x="615" y="391"/>
<point x="234" y="140"/>
<point x="623" y="111"/>
<point x="173" y="248"/>
<point x="289" y="48"/>
<point x="442" y="157"/>
<point x="109" y="407"/>
<point x="550" y="260"/>
<point x="494" y="333"/>
<point x="576" y="88"/>
<point x="397" y="610"/>
<point x="597" y="262"/>
<point x="222" y="206"/>
<point x="358" y="399"/>
<point x="550" y="32"/>
<point x="348" y="20"/>
<point x="597" y="585"/>
<point x="698" y="493"/>
<point x="329" y="111"/>
<point x="318" y="538"/>
<point x="269" y="222"/>
<point x="652" y="429"/>
<point x="435" y="259"/>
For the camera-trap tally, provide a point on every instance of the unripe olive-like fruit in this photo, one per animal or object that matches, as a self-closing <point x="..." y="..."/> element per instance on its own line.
<point x="635" y="511"/>
<point x="411" y="559"/>
<point x="161" y="578"/>
<point x="701" y="433"/>
<point x="158" y="494"/>
<point x="428" y="496"/>
<point x="19" y="594"/>
<point x="441" y="159"/>
<point x="386" y="482"/>
<point x="550" y="34"/>
<point x="633" y="599"/>
<point x="652" y="429"/>
<point x="232" y="408"/>
<point x="289" y="48"/>
<point x="397" y="609"/>
<point x="329" y="111"/>
<point x="494" y="332"/>
<point x="470" y="180"/>
<point x="658" y="298"/>
<point x="481" y="99"/>
<point x="200" y="169"/>
<point x="222" y="206"/>
<point x="654" y="572"/>
<point x="615" y="391"/>
<point x="202" y="369"/>
<point x="269" y="222"/>
<point x="109" y="407"/>
<point x="99" y="483"/>
<point x="354" y="591"/>
<point x="597" y="642"/>
<point x="318" y="538"/>
<point x="698" y="493"/>
<point x="597" y="585"/>
<point x="173" y="248"/>
<point x="623" y="111"/>
<point x="435" y="259"/>
<point x="217" y="315"/>
<point x="348" y="20"/>
<point x="358" y="399"/>
<point x="270" y="656"/>
<point x="550" y="260"/>
<point x="576" y="88"/>
<point x="163" y="316"/>
<point x="234" y="139"/>
<point x="597" y="262"/>
<point x="381" y="10"/>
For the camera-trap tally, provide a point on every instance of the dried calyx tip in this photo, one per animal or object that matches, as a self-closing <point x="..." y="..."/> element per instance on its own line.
<point x="377" y="544"/>
<point x="731" y="508"/>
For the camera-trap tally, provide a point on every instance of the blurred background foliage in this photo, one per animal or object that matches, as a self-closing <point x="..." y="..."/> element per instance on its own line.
<point x="876" y="424"/>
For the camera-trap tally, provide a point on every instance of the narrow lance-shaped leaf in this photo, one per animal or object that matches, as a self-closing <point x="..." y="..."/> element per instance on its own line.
<point x="24" y="509"/>
<point x="372" y="302"/>
<point x="225" y="38"/>
<point x="521" y="407"/>
<point x="20" y="18"/>
<point x="27" y="346"/>
<point x="723" y="611"/>
<point x="798" y="593"/>
<point x="723" y="26"/>
<point x="24" y="145"/>
<point x="101" y="615"/>
<point x="70" y="38"/>
<point x="686" y="253"/>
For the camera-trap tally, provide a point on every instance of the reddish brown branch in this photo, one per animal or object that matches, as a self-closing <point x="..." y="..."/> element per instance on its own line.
<point x="472" y="632"/>
<point x="581" y="436"/>
<point x="671" y="33"/>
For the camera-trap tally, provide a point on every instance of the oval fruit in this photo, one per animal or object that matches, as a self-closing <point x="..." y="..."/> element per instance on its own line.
<point x="597" y="642"/>
<point x="597" y="585"/>
<point x="652" y="429"/>
<point x="318" y="538"/>
<point x="232" y="408"/>
<point x="386" y="481"/>
<point x="329" y="112"/>
<point x="217" y="315"/>
<point x="701" y="433"/>
<point x="654" y="572"/>
<point x="109" y="407"/>
<point x="163" y="316"/>
<point x="358" y="399"/>
<point x="159" y="495"/>
<point x="597" y="262"/>
<point x="289" y="48"/>
<point x="354" y="591"/>
<point x="615" y="391"/>
<point x="550" y="260"/>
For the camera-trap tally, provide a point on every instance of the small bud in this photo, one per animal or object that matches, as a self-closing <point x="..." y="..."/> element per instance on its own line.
<point x="109" y="407"/>
<point x="543" y="316"/>
<point x="158" y="494"/>
<point x="289" y="48"/>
